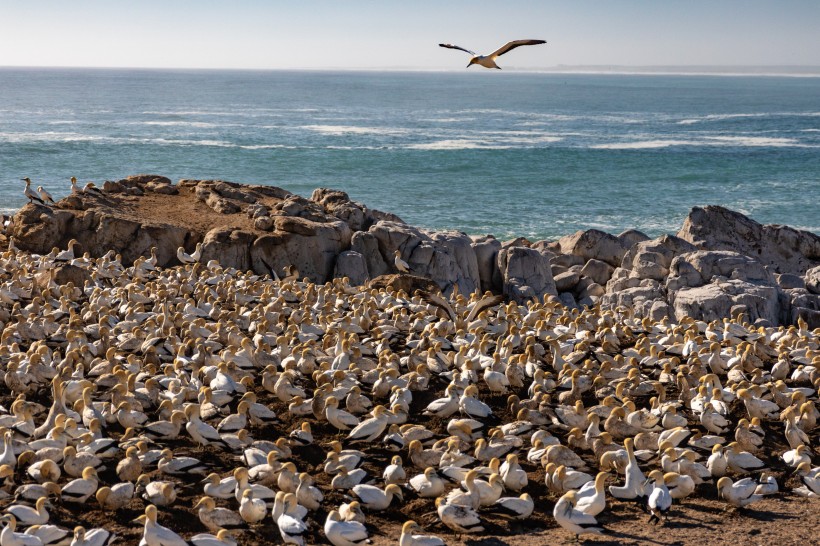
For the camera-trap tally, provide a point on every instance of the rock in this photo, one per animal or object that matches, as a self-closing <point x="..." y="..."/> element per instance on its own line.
<point x="812" y="280"/>
<point x="787" y="281"/>
<point x="402" y="281"/>
<point x="352" y="265"/>
<point x="785" y="249"/>
<point x="651" y="259"/>
<point x="526" y="274"/>
<point x="586" y="301"/>
<point x="800" y="303"/>
<point x="367" y="245"/>
<point x="162" y="186"/>
<point x="233" y="191"/>
<point x="715" y="301"/>
<point x="694" y="269"/>
<point x="565" y="282"/>
<point x="647" y="300"/>
<point x="62" y="274"/>
<point x="567" y="260"/>
<point x="567" y="300"/>
<point x="596" y="244"/>
<point x="446" y="257"/>
<point x="231" y="248"/>
<point x="38" y="228"/>
<point x="141" y="180"/>
<point x="222" y="206"/>
<point x="600" y="272"/>
<point x="631" y="237"/>
<point x="109" y="186"/>
<point x="309" y="246"/>
<point x="257" y="210"/>
<point x="264" y="223"/>
<point x="591" y="290"/>
<point x="486" y="252"/>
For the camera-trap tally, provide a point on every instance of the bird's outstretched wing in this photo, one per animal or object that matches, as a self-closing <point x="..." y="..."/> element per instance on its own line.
<point x="440" y="302"/>
<point x="483" y="303"/>
<point x="451" y="46"/>
<point x="509" y="46"/>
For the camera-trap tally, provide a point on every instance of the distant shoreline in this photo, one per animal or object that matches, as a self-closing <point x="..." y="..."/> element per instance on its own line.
<point x="598" y="70"/>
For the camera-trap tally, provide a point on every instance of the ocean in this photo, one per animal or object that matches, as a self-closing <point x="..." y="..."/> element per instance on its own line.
<point x="508" y="153"/>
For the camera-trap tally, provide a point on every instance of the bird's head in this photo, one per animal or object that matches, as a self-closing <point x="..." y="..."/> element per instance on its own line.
<point x="472" y="62"/>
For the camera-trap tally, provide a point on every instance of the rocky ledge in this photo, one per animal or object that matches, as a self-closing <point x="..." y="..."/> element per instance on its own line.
<point x="720" y="264"/>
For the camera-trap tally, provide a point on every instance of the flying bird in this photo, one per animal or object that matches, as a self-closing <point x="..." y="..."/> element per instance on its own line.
<point x="488" y="61"/>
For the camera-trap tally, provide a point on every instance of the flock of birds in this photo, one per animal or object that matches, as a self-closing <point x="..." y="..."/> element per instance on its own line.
<point x="125" y="391"/>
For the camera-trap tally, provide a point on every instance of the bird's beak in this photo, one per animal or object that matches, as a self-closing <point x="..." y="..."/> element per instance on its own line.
<point x="469" y="65"/>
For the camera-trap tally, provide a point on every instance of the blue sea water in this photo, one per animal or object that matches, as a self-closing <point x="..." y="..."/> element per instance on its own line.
<point x="536" y="155"/>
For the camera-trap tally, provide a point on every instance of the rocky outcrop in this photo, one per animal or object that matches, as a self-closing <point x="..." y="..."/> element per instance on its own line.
<point x="526" y="274"/>
<point x="721" y="263"/>
<point x="782" y="248"/>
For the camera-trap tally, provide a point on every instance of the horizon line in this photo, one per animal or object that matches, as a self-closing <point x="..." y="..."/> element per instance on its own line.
<point x="597" y="69"/>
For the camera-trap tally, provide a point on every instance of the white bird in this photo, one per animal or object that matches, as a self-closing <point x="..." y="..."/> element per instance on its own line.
<point x="409" y="539"/>
<point x="571" y="519"/>
<point x="659" y="499"/>
<point x="94" y="537"/>
<point x="591" y="498"/>
<point x="10" y="537"/>
<point x="740" y="493"/>
<point x="28" y="192"/>
<point x="154" y="534"/>
<point x="344" y="533"/>
<point x="427" y="485"/>
<point x="374" y="498"/>
<point x="462" y="519"/>
<point x="26" y="515"/>
<point x="222" y="538"/>
<point x="488" y="61"/>
<point x="44" y="195"/>
<point x="250" y="509"/>
<point x="400" y="264"/>
<point x="513" y="507"/>
<point x="291" y="526"/>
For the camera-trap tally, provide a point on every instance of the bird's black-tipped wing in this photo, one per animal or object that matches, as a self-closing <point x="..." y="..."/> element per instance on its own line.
<point x="451" y="46"/>
<point x="509" y="46"/>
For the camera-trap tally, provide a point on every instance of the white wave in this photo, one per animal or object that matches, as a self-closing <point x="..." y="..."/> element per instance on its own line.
<point x="181" y="124"/>
<point x="739" y="141"/>
<point x="446" y="120"/>
<point x="641" y="145"/>
<point x="459" y="144"/>
<point x="47" y="136"/>
<point x="755" y="141"/>
<point x="339" y="130"/>
<point x="722" y="117"/>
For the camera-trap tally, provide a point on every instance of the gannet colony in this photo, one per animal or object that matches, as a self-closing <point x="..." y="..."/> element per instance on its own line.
<point x="164" y="396"/>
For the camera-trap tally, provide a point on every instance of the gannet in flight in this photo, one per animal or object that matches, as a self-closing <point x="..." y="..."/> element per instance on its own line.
<point x="488" y="61"/>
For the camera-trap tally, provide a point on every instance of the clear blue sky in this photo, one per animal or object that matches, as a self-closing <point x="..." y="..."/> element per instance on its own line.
<point x="404" y="34"/>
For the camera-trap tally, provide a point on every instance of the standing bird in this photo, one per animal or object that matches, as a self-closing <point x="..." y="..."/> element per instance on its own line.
<point x="488" y="61"/>
<point x="28" y="192"/>
<point x="44" y="195"/>
<point x="400" y="264"/>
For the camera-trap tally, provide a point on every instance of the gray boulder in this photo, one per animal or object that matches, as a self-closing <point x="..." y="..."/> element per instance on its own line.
<point x="784" y="249"/>
<point x="594" y="244"/>
<point x="352" y="265"/>
<point x="526" y="273"/>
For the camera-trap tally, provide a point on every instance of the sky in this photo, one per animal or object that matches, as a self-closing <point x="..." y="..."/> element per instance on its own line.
<point x="351" y="34"/>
